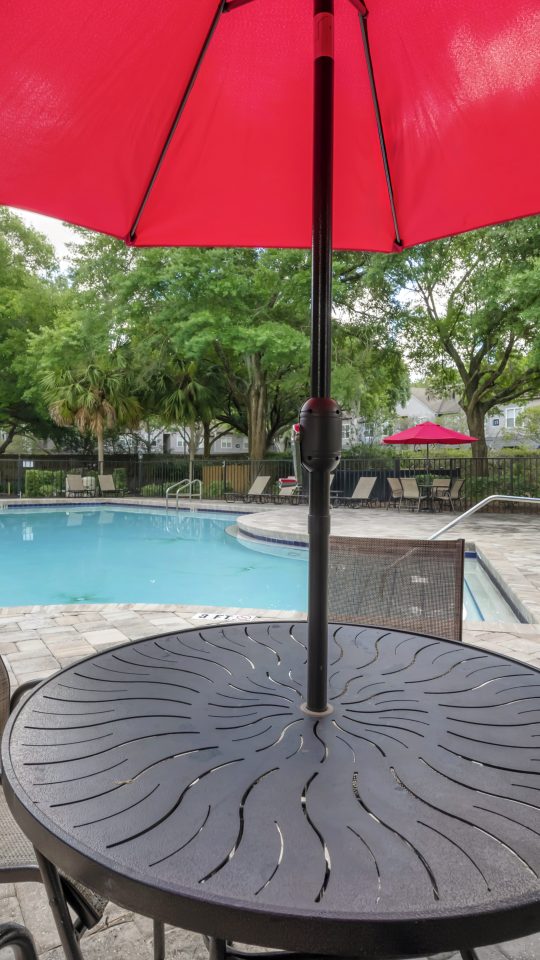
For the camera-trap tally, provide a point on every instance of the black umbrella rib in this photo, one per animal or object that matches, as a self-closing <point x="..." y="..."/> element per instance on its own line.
<point x="221" y="8"/>
<point x="362" y="16"/>
<point x="233" y="4"/>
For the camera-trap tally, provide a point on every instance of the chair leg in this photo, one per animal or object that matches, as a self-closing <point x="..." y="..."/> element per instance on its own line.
<point x="217" y="949"/>
<point x="159" y="940"/>
<point x="59" y="908"/>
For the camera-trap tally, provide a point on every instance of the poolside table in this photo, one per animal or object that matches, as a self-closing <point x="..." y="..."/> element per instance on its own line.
<point x="179" y="777"/>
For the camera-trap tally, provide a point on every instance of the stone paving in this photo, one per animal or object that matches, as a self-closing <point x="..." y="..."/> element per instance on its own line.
<point x="36" y="641"/>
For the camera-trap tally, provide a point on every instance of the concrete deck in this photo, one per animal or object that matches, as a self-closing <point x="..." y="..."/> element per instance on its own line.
<point x="36" y="641"/>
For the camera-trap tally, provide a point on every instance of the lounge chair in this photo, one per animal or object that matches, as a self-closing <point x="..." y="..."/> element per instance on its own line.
<point x="361" y="493"/>
<point x="412" y="585"/>
<point x="396" y="492"/>
<point x="452" y="495"/>
<point x="18" y="862"/>
<point x="75" y="486"/>
<point x="255" y="492"/>
<point x="411" y="493"/>
<point x="107" y="484"/>
<point x="19" y="939"/>
<point x="288" y="494"/>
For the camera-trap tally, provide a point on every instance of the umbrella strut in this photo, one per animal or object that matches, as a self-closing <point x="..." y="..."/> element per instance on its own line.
<point x="320" y="418"/>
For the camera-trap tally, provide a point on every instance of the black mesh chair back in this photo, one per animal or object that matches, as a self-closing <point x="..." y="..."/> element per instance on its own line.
<point x="413" y="585"/>
<point x="4" y="696"/>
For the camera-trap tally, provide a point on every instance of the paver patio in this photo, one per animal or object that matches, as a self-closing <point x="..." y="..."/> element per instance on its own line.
<point x="36" y="641"/>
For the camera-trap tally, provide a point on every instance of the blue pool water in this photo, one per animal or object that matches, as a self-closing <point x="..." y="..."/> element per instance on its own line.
<point x="110" y="554"/>
<point x="114" y="555"/>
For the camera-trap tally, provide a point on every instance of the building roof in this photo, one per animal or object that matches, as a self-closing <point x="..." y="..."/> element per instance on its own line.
<point x="436" y="404"/>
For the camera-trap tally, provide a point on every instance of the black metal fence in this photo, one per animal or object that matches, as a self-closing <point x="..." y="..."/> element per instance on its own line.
<point x="45" y="476"/>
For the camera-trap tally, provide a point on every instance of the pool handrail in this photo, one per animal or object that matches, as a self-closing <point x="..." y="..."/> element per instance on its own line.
<point x="182" y="485"/>
<point x="479" y="505"/>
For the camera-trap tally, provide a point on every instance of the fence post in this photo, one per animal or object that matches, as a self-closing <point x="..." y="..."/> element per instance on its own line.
<point x="140" y="473"/>
<point x="224" y="479"/>
<point x="19" y="476"/>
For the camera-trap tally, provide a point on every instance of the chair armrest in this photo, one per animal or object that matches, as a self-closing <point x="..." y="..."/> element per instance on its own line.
<point x="21" y="692"/>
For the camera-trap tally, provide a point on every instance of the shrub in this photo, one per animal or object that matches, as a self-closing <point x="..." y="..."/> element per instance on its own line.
<point x="43" y="483"/>
<point x="214" y="490"/>
<point x="153" y="490"/>
<point x="120" y="478"/>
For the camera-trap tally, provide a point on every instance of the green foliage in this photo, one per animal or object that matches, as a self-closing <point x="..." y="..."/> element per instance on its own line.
<point x="366" y="451"/>
<point x="466" y="309"/>
<point x="222" y="336"/>
<point x="153" y="490"/>
<point x="520" y="451"/>
<point x="84" y="378"/>
<point x="43" y="483"/>
<point x="119" y="475"/>
<point x="519" y="477"/>
<point x="528" y="423"/>
<point x="215" y="489"/>
<point x="30" y="294"/>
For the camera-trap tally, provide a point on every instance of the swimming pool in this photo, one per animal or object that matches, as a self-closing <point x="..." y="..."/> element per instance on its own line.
<point x="114" y="554"/>
<point x="119" y="554"/>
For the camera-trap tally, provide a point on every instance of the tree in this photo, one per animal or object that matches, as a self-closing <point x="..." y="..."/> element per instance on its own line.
<point x="30" y="293"/>
<point x="369" y="376"/>
<point x="238" y="321"/>
<point x="467" y="310"/>
<point x="239" y="315"/>
<point x="85" y="381"/>
<point x="528" y="423"/>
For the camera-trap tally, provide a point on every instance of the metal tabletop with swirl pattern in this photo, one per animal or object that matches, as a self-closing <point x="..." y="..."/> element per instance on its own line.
<point x="178" y="776"/>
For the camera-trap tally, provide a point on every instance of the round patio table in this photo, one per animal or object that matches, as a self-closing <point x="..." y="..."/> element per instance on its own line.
<point x="179" y="777"/>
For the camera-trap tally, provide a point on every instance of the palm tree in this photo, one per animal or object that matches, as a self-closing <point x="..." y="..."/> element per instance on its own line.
<point x="182" y="398"/>
<point x="93" y="398"/>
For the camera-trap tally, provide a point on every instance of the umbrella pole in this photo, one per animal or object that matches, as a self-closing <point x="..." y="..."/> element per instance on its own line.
<point x="320" y="418"/>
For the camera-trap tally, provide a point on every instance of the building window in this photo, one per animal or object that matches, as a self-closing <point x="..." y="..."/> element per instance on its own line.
<point x="226" y="443"/>
<point x="496" y="421"/>
<point x="511" y="417"/>
<point x="346" y="431"/>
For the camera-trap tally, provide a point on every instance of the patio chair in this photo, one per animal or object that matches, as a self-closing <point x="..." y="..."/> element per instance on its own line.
<point x="439" y="485"/>
<point x="254" y="494"/>
<point x="361" y="493"/>
<point x="18" y="862"/>
<point x="107" y="484"/>
<point x="75" y="486"/>
<point x="452" y="495"/>
<point x="287" y="494"/>
<point x="396" y="492"/>
<point x="412" y="585"/>
<point x="411" y="493"/>
<point x="19" y="939"/>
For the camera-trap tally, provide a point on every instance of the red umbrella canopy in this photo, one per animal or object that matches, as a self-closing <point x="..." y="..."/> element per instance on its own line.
<point x="429" y="432"/>
<point x="106" y="120"/>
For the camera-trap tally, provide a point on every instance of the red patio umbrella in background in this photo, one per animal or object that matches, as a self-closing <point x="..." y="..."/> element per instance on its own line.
<point x="199" y="122"/>
<point x="429" y="433"/>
